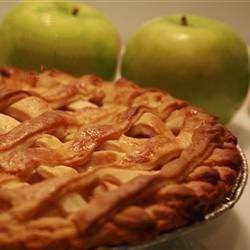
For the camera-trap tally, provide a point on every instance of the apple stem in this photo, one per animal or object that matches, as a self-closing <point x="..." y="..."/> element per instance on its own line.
<point x="75" y="11"/>
<point x="184" y="21"/>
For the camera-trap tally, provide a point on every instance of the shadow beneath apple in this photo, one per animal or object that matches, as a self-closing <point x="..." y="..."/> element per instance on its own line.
<point x="239" y="126"/>
<point x="242" y="133"/>
<point x="223" y="233"/>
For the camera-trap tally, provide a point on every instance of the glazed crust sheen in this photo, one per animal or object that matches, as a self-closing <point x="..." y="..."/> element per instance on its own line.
<point x="86" y="163"/>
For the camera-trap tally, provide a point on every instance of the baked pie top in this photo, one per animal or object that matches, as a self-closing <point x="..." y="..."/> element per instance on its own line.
<point x="86" y="163"/>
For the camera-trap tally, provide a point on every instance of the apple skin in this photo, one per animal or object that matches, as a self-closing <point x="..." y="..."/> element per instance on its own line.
<point x="201" y="61"/>
<point x="48" y="33"/>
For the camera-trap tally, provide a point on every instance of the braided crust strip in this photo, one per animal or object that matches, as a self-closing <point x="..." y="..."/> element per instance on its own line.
<point x="87" y="163"/>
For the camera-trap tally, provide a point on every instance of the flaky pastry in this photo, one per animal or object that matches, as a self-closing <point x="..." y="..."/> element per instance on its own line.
<point x="87" y="163"/>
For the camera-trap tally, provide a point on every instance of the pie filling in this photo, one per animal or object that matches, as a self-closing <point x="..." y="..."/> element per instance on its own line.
<point x="87" y="163"/>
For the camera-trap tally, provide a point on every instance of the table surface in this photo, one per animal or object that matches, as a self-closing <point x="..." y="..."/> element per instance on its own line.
<point x="230" y="231"/>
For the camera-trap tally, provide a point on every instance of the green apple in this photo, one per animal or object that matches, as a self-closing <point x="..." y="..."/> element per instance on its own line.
<point x="67" y="35"/>
<point x="195" y="58"/>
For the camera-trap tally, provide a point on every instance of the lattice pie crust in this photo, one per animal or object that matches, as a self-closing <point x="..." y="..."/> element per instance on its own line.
<point x="86" y="163"/>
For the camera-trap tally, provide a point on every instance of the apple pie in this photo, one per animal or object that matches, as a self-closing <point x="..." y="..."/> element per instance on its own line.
<point x="86" y="163"/>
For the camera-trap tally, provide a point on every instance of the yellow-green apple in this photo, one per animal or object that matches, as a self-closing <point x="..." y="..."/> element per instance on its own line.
<point x="67" y="35"/>
<point x="195" y="58"/>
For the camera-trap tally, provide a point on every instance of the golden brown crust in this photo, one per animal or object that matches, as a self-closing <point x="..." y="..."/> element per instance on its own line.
<point x="87" y="163"/>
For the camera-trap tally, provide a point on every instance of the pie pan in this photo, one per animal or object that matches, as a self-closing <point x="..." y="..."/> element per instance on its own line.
<point x="229" y="202"/>
<point x="90" y="163"/>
